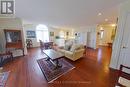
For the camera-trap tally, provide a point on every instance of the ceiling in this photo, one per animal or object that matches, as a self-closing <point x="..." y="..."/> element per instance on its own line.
<point x="67" y="13"/>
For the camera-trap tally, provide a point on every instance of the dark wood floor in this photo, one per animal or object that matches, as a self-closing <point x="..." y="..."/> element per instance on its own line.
<point x="91" y="71"/>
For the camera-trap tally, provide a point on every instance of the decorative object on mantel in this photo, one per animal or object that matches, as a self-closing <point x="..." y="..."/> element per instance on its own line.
<point x="13" y="40"/>
<point x="3" y="78"/>
<point x="31" y="34"/>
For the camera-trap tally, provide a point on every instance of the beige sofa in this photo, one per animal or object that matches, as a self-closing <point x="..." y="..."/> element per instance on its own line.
<point x="75" y="52"/>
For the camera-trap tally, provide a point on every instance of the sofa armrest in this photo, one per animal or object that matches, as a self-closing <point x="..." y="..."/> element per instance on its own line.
<point x="79" y="51"/>
<point x="69" y="52"/>
<point x="61" y="47"/>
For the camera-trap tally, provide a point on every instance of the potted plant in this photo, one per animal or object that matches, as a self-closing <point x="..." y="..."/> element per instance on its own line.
<point x="57" y="37"/>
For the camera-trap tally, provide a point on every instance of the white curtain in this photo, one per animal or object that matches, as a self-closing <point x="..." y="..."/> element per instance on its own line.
<point x="42" y="35"/>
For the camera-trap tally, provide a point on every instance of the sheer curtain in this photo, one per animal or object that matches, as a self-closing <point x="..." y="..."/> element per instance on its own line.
<point x="42" y="33"/>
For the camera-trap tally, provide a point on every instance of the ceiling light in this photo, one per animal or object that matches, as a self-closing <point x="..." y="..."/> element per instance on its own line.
<point x="113" y="25"/>
<point x="106" y="19"/>
<point x="99" y="14"/>
<point x="101" y="28"/>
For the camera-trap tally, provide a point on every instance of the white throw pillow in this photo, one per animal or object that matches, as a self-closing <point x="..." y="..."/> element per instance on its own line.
<point x="75" y="47"/>
<point x="68" y="46"/>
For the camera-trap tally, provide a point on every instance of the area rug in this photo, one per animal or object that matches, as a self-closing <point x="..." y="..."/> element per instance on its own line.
<point x="52" y="74"/>
<point x="3" y="78"/>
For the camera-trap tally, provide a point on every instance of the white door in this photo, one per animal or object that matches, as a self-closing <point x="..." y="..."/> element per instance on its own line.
<point x="124" y="57"/>
<point x="91" y="40"/>
<point x="88" y="40"/>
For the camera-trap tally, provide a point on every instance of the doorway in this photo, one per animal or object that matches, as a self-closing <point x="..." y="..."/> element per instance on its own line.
<point x="106" y="34"/>
<point x="91" y="40"/>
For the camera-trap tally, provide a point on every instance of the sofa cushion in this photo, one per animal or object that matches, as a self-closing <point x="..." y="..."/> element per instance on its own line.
<point x="62" y="51"/>
<point x="68" y="46"/>
<point x="76" y="47"/>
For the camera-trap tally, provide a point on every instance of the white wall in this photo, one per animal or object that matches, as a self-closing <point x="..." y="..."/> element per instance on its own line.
<point x="84" y="37"/>
<point x="115" y="60"/>
<point x="11" y="23"/>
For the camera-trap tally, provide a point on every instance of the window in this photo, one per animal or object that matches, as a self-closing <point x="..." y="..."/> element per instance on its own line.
<point x="102" y="33"/>
<point x="62" y="34"/>
<point x="42" y="33"/>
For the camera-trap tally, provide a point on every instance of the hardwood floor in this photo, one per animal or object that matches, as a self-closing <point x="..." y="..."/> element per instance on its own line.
<point x="91" y="71"/>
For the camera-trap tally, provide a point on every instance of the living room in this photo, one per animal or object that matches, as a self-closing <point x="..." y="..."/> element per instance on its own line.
<point x="64" y="44"/>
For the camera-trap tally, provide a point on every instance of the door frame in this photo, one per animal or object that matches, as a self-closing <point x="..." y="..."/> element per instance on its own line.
<point x="117" y="43"/>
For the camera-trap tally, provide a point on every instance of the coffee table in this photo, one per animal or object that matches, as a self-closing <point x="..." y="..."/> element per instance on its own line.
<point x="52" y="56"/>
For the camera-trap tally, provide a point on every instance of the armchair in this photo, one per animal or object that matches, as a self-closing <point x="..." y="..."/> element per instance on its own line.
<point x="123" y="77"/>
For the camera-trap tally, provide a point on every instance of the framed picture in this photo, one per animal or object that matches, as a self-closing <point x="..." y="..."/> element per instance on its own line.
<point x="31" y="34"/>
<point x="67" y="33"/>
<point x="52" y="34"/>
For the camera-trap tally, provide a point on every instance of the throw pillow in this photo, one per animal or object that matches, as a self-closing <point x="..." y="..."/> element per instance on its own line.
<point x="68" y="46"/>
<point x="75" y="47"/>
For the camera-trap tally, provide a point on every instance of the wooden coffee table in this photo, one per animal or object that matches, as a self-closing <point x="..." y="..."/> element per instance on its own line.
<point x="52" y="56"/>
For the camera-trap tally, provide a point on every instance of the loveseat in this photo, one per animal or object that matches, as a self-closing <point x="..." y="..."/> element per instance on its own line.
<point x="73" y="52"/>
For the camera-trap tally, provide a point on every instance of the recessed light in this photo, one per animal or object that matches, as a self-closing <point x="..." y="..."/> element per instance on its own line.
<point x="101" y="28"/>
<point x="106" y="19"/>
<point x="99" y="14"/>
<point x="113" y="25"/>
